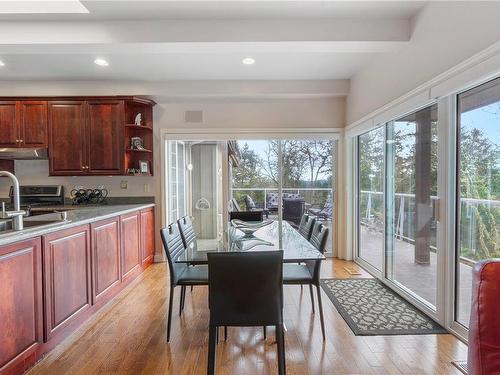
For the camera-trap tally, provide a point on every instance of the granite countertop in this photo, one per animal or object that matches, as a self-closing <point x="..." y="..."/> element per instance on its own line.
<point x="76" y="215"/>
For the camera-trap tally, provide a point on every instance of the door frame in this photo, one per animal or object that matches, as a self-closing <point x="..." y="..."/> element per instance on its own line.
<point x="176" y="133"/>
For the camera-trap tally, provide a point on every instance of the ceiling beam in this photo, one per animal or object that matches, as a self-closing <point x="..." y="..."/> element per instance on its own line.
<point x="183" y="90"/>
<point x="204" y="31"/>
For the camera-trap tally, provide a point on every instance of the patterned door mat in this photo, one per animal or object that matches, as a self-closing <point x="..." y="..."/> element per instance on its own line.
<point x="372" y="309"/>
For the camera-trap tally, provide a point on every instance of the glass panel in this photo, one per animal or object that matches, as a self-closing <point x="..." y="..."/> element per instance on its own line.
<point x="478" y="206"/>
<point x="371" y="197"/>
<point x="255" y="176"/>
<point x="411" y="190"/>
<point x="308" y="181"/>
<point x="181" y="180"/>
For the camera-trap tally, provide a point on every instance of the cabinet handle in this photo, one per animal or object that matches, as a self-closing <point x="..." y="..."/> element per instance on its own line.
<point x="21" y="141"/>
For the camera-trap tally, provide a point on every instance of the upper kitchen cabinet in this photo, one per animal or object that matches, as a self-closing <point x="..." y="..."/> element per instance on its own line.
<point x="23" y="123"/>
<point x="94" y="136"/>
<point x="67" y="156"/>
<point x="104" y="137"/>
<point x="8" y="124"/>
<point x="33" y="123"/>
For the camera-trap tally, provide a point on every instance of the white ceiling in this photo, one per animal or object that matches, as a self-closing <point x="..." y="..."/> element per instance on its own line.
<point x="204" y="40"/>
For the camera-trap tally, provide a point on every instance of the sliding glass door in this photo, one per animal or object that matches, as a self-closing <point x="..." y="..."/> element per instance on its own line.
<point x="411" y="193"/>
<point x="397" y="191"/>
<point x="286" y="178"/>
<point x="371" y="197"/>
<point x="478" y="187"/>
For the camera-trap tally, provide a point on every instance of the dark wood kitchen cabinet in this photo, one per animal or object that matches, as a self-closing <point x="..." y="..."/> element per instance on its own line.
<point x="105" y="258"/>
<point x="33" y="123"/>
<point x="104" y="127"/>
<point x="21" y="306"/>
<point x="23" y="123"/>
<point x="8" y="124"/>
<point x="67" y="154"/>
<point x="147" y="235"/>
<point x="130" y="245"/>
<point x="67" y="278"/>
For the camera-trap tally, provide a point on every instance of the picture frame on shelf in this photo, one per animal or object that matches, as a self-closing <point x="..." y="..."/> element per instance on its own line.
<point x="144" y="166"/>
<point x="136" y="143"/>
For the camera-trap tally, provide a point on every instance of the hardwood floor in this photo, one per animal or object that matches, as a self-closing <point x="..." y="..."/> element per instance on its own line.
<point x="129" y="337"/>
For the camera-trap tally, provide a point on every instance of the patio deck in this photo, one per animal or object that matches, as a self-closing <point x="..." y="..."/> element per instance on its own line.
<point x="420" y="279"/>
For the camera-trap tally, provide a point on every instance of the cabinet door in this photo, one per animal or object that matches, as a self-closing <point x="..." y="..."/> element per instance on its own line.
<point x="105" y="258"/>
<point x="105" y="126"/>
<point x="67" y="138"/>
<point x="147" y="236"/>
<point x="67" y="276"/>
<point x="9" y="133"/>
<point x="21" y="306"/>
<point x="130" y="245"/>
<point x="33" y="123"/>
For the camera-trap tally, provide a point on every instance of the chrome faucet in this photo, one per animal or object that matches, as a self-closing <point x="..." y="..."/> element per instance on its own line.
<point x="17" y="214"/>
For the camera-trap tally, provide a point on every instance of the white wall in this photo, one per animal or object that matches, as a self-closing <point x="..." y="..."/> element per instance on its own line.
<point x="243" y="114"/>
<point x="444" y="34"/>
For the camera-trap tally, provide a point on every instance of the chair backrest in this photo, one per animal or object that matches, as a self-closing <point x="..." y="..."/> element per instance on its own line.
<point x="247" y="215"/>
<point x="292" y="195"/>
<point x="245" y="289"/>
<point x="319" y="235"/>
<point x="249" y="203"/>
<point x="174" y="246"/>
<point x="187" y="230"/>
<point x="236" y="206"/>
<point x="306" y="226"/>
<point x="293" y="209"/>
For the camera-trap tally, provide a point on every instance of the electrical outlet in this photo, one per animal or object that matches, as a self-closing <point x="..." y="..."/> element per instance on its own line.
<point x="123" y="184"/>
<point x="146" y="188"/>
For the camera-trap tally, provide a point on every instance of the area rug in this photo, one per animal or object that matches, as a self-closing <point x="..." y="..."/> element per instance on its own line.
<point x="372" y="309"/>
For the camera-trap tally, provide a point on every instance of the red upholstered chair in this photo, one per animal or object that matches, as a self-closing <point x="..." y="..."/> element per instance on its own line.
<point x="484" y="327"/>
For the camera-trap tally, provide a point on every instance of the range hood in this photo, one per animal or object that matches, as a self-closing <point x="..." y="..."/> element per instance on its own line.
<point x="23" y="153"/>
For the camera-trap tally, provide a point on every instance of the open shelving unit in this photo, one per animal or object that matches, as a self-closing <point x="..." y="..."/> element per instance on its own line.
<point x="133" y="157"/>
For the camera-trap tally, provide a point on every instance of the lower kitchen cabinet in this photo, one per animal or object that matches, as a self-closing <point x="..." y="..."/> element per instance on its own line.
<point x="131" y="245"/>
<point x="147" y="235"/>
<point x="49" y="285"/>
<point x="106" y="257"/>
<point x="67" y="284"/>
<point x="21" y="306"/>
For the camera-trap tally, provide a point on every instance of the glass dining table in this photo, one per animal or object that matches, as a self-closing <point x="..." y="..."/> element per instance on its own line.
<point x="267" y="238"/>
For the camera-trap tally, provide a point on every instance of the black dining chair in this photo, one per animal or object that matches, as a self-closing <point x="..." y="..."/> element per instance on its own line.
<point x="306" y="226"/>
<point x="309" y="273"/>
<point x="245" y="290"/>
<point x="180" y="273"/>
<point x="187" y="231"/>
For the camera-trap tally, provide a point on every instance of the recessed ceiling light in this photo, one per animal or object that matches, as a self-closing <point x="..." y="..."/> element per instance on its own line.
<point x="101" y="62"/>
<point x="2" y="63"/>
<point x="248" y="61"/>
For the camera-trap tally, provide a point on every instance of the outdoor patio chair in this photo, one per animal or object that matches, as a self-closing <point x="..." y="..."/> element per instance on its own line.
<point x="293" y="209"/>
<point x="326" y="212"/>
<point x="272" y="201"/>
<point x="252" y="206"/>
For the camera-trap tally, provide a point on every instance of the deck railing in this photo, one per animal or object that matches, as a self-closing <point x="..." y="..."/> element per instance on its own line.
<point x="371" y="215"/>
